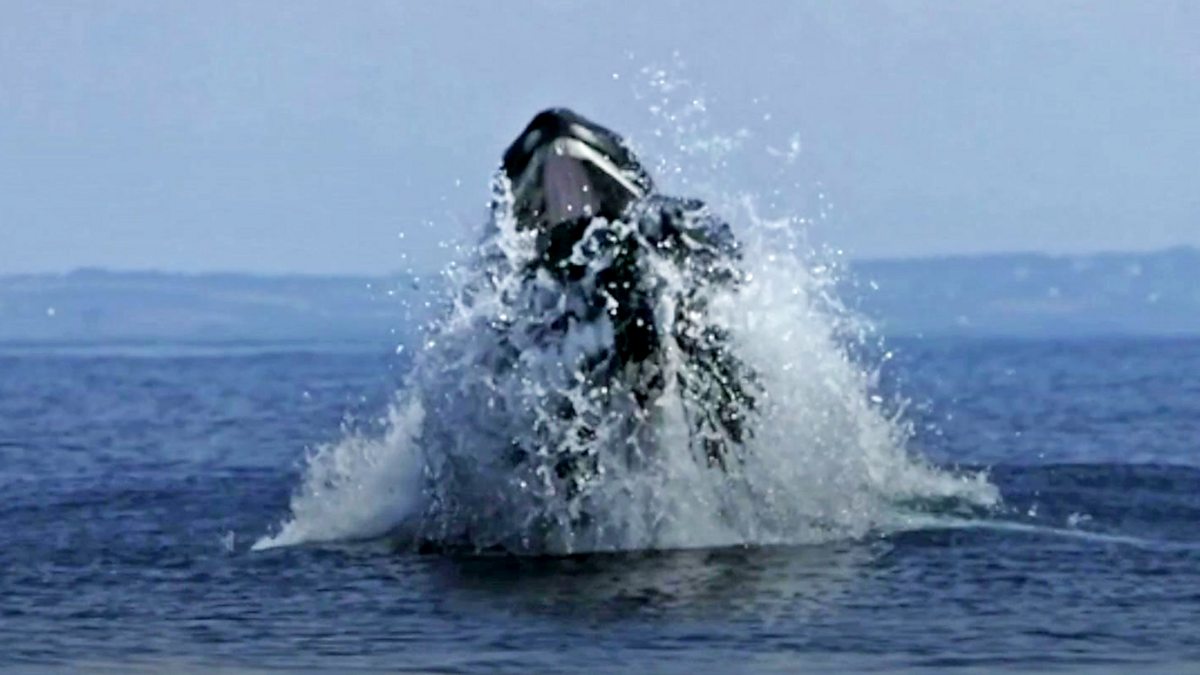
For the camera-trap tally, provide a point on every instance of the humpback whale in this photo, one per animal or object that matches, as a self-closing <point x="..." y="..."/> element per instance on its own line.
<point x="592" y="385"/>
<point x="622" y="277"/>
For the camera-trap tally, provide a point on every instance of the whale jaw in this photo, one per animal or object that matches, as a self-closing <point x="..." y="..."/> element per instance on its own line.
<point x="564" y="167"/>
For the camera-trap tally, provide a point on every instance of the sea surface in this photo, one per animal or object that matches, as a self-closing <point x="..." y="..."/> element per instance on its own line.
<point x="135" y="480"/>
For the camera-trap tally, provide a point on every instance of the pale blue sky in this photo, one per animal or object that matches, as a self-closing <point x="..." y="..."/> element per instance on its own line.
<point x="306" y="136"/>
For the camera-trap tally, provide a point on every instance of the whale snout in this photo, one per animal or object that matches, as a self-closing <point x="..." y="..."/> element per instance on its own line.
<point x="564" y="167"/>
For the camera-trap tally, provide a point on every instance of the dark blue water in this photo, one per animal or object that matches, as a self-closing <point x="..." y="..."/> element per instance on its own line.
<point x="135" y="480"/>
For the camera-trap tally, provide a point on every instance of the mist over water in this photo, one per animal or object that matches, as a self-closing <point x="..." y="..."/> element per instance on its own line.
<point x="829" y="457"/>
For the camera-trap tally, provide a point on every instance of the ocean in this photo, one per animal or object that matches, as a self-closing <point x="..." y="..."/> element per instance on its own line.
<point x="137" y="481"/>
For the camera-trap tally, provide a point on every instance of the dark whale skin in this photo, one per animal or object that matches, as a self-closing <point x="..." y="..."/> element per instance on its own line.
<point x="720" y="392"/>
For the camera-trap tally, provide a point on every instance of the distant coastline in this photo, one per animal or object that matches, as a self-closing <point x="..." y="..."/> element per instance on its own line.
<point x="1029" y="295"/>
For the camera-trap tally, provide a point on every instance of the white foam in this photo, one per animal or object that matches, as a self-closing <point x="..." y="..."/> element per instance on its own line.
<point x="359" y="487"/>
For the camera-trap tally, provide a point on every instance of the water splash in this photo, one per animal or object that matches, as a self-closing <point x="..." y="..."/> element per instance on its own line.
<point x="474" y="446"/>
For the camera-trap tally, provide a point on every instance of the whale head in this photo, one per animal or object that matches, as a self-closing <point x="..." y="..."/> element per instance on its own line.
<point x="564" y="167"/>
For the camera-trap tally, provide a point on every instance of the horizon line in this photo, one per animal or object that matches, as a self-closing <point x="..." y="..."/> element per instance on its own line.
<point x="932" y="257"/>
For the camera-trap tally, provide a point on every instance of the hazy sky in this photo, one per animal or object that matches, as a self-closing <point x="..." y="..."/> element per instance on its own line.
<point x="298" y="136"/>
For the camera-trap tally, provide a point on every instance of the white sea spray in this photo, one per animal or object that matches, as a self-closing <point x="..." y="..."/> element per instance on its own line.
<point x="473" y="444"/>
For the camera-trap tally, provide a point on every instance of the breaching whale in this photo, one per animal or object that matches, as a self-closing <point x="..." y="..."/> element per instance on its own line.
<point x="593" y="384"/>
<point x="630" y="274"/>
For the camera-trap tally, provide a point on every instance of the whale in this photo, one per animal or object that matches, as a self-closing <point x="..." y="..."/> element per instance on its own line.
<point x="588" y="351"/>
<point x="640" y="270"/>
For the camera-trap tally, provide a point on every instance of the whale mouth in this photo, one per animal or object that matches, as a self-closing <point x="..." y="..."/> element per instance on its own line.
<point x="564" y="167"/>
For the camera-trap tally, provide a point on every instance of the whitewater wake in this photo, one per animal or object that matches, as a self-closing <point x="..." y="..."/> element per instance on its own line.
<point x="468" y="459"/>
